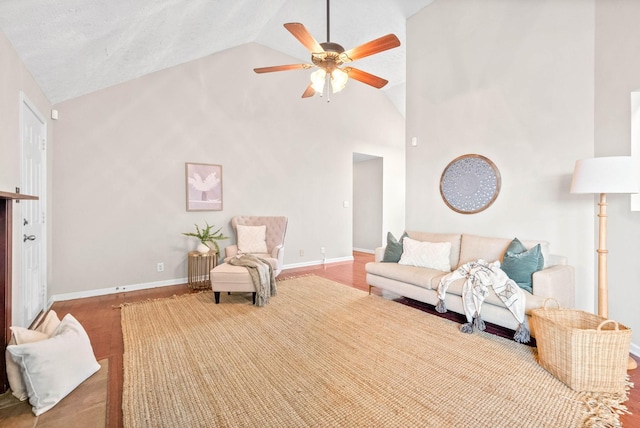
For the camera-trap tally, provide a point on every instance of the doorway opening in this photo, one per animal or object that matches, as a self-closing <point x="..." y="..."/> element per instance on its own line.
<point x="367" y="202"/>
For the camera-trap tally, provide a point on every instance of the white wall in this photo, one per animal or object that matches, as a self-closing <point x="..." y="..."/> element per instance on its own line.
<point x="119" y="195"/>
<point x="367" y="204"/>
<point x="14" y="79"/>
<point x="617" y="74"/>
<point x="513" y="81"/>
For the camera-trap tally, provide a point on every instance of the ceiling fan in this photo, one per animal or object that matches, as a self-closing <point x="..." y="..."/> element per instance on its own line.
<point x="329" y="56"/>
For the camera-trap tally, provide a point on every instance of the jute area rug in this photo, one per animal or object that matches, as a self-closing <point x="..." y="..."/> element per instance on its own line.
<point x="322" y="354"/>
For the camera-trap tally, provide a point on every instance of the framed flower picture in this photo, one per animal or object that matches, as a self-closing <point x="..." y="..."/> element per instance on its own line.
<point x="204" y="187"/>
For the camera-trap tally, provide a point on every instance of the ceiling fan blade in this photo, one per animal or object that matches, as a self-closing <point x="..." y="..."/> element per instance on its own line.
<point x="300" y="32"/>
<point x="364" y="77"/>
<point x="282" y="68"/>
<point x="380" y="44"/>
<point x="309" y="92"/>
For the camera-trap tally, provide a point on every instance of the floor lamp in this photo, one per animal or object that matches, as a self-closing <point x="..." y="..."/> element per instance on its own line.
<point x="615" y="174"/>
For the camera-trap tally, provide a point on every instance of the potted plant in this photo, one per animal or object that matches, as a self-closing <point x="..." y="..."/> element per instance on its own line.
<point x="207" y="237"/>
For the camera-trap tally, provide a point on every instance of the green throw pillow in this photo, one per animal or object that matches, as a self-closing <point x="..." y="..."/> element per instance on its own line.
<point x="519" y="263"/>
<point x="393" y="251"/>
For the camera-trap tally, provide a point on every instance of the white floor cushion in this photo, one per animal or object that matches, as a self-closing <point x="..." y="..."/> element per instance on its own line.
<point x="54" y="367"/>
<point x="20" y="336"/>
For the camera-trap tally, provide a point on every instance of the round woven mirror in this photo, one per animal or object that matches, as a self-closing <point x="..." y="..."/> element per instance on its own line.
<point x="470" y="184"/>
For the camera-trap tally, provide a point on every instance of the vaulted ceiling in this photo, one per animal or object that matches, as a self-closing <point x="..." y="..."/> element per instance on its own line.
<point x="74" y="47"/>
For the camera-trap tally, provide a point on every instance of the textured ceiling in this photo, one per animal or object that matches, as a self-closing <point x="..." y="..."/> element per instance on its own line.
<point x="74" y="47"/>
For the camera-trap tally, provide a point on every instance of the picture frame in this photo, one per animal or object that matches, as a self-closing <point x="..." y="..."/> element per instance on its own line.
<point x="203" y="186"/>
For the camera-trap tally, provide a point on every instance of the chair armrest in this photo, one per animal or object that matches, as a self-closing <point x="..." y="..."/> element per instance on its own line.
<point x="557" y="282"/>
<point x="230" y="251"/>
<point x="379" y="254"/>
<point x="278" y="253"/>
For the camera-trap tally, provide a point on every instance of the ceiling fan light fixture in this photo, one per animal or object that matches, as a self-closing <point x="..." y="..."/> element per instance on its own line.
<point x="318" y="79"/>
<point x="339" y="79"/>
<point x="329" y="56"/>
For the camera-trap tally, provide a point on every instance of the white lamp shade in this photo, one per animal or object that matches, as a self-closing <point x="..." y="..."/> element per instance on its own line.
<point x="318" y="79"/>
<point x="613" y="174"/>
<point x="339" y="79"/>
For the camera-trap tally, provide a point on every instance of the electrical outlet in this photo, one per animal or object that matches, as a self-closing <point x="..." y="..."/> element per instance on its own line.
<point x="301" y="253"/>
<point x="160" y="267"/>
<point x="321" y="250"/>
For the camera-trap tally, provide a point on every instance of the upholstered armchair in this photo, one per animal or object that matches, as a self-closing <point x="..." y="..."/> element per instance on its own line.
<point x="261" y="236"/>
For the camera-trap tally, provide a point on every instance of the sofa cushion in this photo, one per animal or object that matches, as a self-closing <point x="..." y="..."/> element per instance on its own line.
<point x="544" y="250"/>
<point x="454" y="238"/>
<point x="475" y="247"/>
<point x="434" y="255"/>
<point x="393" y="250"/>
<point x="519" y="263"/>
<point x="419" y="276"/>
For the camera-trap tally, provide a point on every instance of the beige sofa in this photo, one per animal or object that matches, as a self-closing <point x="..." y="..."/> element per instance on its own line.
<point x="555" y="280"/>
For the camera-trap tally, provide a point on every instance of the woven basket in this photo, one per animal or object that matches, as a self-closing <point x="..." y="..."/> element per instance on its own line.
<point x="585" y="351"/>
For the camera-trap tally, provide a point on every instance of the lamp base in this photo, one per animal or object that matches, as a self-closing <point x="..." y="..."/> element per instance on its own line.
<point x="631" y="364"/>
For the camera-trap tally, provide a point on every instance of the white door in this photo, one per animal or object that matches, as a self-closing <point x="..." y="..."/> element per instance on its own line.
<point x="32" y="289"/>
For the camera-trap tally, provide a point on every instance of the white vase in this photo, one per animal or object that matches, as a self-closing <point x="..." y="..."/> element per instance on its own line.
<point x="203" y="249"/>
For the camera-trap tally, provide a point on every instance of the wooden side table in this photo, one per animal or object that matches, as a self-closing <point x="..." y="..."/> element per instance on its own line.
<point x="200" y="264"/>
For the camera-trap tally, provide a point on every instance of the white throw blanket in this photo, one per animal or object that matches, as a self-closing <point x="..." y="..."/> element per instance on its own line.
<point x="480" y="275"/>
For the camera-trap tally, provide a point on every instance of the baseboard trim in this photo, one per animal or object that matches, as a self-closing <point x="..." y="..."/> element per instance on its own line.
<point x="114" y="290"/>
<point x="635" y="350"/>
<point x="317" y="262"/>
<point x="155" y="284"/>
<point x="364" y="250"/>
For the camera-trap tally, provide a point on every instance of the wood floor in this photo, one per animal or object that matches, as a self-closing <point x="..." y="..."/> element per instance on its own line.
<point x="101" y="318"/>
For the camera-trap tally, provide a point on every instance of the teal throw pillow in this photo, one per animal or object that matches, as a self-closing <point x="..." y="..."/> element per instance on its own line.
<point x="393" y="251"/>
<point x="519" y="263"/>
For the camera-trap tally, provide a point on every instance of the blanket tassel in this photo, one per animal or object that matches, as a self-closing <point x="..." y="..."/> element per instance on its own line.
<point x="467" y="328"/>
<point x="522" y="334"/>
<point x="478" y="322"/>
<point x="441" y="307"/>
